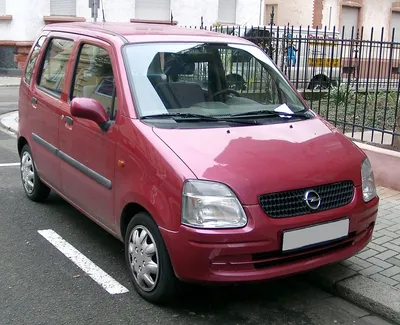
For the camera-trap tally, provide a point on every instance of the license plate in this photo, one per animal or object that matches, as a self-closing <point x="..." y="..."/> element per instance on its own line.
<point x="314" y="235"/>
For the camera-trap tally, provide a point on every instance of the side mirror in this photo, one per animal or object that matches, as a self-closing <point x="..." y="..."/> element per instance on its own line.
<point x="90" y="109"/>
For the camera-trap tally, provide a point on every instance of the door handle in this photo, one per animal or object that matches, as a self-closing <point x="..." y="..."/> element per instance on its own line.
<point x="34" y="102"/>
<point x="69" y="120"/>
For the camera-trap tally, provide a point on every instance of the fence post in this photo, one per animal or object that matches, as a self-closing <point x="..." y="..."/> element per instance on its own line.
<point x="396" y="139"/>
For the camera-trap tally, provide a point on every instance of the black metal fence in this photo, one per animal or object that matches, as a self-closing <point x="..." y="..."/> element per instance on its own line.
<point x="351" y="78"/>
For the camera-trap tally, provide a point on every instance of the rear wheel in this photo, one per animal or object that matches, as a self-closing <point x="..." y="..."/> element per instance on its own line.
<point x="148" y="261"/>
<point x="34" y="188"/>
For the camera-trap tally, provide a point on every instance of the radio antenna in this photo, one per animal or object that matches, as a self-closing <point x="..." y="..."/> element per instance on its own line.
<point x="102" y="10"/>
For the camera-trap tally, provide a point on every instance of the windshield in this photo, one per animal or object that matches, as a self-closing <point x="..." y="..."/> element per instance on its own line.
<point x="210" y="79"/>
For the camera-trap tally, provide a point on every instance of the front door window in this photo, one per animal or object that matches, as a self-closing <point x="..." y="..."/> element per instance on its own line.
<point x="94" y="78"/>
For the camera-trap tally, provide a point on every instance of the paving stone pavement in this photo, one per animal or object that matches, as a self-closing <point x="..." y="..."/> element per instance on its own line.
<point x="380" y="260"/>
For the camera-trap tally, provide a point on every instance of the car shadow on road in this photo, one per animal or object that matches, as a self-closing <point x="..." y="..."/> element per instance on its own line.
<point x="197" y="299"/>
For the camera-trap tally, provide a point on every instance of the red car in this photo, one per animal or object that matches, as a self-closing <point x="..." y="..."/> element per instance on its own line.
<point x="142" y="129"/>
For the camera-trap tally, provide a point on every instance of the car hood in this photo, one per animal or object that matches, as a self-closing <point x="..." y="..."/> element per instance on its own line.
<point x="260" y="159"/>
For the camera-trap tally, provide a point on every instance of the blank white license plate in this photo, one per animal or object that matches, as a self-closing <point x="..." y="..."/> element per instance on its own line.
<point x="313" y="235"/>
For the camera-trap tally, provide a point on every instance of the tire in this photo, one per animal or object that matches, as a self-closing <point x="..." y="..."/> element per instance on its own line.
<point x="34" y="189"/>
<point x="235" y="82"/>
<point x="164" y="287"/>
<point x="318" y="84"/>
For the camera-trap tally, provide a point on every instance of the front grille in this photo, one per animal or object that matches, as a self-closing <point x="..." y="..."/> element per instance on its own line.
<point x="293" y="203"/>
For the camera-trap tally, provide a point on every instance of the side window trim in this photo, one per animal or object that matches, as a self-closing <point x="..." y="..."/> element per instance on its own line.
<point x="42" y="62"/>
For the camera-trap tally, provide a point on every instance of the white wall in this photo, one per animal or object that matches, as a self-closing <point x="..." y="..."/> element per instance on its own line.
<point x="188" y="13"/>
<point x="248" y="12"/>
<point x="121" y="13"/>
<point x="377" y="18"/>
<point x="294" y="12"/>
<point x="331" y="9"/>
<point x="27" y="19"/>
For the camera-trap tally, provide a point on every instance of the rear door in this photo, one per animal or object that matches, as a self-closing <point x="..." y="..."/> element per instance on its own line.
<point x="87" y="167"/>
<point x="25" y="108"/>
<point x="46" y="99"/>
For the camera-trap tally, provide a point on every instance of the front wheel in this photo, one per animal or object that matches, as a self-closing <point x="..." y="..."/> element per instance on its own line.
<point x="148" y="261"/>
<point x="34" y="188"/>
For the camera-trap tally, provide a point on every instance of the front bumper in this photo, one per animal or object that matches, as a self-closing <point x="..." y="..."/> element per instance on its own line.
<point x="253" y="253"/>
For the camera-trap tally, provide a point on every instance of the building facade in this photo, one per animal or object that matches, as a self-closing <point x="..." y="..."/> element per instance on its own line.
<point x="353" y="15"/>
<point x="22" y="20"/>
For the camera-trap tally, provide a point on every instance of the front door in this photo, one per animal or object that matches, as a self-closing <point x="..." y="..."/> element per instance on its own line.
<point x="88" y="152"/>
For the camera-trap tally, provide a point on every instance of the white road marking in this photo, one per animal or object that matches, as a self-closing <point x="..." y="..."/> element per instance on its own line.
<point x="96" y="273"/>
<point x="9" y="164"/>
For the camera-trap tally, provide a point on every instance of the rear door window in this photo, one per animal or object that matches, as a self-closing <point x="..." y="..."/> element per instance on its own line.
<point x="52" y="76"/>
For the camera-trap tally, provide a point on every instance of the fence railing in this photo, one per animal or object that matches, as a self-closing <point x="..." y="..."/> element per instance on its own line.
<point x="351" y="78"/>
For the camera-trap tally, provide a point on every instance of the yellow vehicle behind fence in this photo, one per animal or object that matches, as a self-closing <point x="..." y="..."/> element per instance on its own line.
<point x="310" y="58"/>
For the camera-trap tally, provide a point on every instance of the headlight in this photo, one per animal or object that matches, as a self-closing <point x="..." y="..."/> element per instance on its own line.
<point x="208" y="204"/>
<point x="368" y="181"/>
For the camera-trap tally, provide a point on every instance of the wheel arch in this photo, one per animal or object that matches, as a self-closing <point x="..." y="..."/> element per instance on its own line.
<point x="21" y="142"/>
<point x="128" y="212"/>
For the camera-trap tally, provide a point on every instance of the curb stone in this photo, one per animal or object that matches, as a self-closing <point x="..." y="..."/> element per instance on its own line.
<point x="5" y="86"/>
<point x="6" y="127"/>
<point x="10" y="81"/>
<point x="379" y="298"/>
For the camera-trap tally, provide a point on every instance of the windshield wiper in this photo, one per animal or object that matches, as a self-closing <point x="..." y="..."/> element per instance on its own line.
<point x="199" y="117"/>
<point x="302" y="113"/>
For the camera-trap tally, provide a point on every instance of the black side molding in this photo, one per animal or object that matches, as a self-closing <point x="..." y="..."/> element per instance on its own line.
<point x="73" y="162"/>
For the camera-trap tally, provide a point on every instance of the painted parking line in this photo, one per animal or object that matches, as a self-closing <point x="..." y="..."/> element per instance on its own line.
<point x="96" y="273"/>
<point x="9" y="164"/>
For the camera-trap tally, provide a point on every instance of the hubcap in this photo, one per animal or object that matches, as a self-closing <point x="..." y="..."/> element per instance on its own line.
<point x="143" y="257"/>
<point x="319" y="86"/>
<point x="27" y="172"/>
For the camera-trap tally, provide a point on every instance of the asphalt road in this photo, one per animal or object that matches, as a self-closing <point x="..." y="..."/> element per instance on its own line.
<point x="8" y="99"/>
<point x="40" y="285"/>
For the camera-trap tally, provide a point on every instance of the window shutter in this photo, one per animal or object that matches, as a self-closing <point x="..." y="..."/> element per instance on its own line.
<point x="2" y="7"/>
<point x="227" y="11"/>
<point x="396" y="26"/>
<point x="62" y="7"/>
<point x="153" y="9"/>
<point x="350" y="20"/>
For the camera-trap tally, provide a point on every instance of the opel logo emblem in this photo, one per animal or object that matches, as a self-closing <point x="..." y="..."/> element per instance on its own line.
<point x="312" y="199"/>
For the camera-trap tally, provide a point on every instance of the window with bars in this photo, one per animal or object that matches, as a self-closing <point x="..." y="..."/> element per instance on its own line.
<point x="62" y="8"/>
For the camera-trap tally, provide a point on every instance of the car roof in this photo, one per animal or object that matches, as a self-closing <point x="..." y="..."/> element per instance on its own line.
<point x="143" y="32"/>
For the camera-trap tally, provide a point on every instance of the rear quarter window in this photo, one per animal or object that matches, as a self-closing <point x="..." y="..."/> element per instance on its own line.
<point x="30" y="66"/>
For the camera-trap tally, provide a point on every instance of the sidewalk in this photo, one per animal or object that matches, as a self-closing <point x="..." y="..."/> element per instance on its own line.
<point x="9" y="121"/>
<point x="371" y="279"/>
<point x="9" y="81"/>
